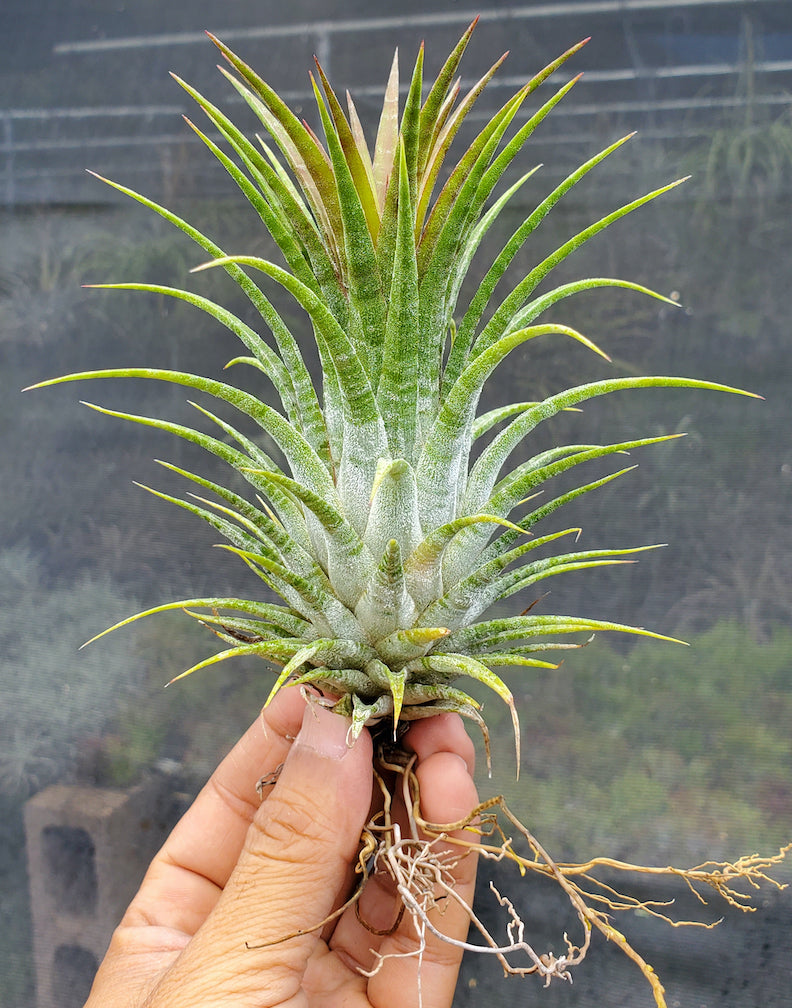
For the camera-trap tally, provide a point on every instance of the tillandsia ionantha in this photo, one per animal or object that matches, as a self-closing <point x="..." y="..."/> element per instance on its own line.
<point x="388" y="520"/>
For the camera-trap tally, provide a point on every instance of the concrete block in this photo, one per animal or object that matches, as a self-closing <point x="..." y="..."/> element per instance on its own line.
<point x="88" y="849"/>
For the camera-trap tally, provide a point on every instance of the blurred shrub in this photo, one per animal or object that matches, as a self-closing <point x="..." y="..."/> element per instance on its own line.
<point x="54" y="699"/>
<point x="665" y="754"/>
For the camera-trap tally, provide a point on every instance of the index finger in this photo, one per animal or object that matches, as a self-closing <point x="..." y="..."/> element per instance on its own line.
<point x="188" y="874"/>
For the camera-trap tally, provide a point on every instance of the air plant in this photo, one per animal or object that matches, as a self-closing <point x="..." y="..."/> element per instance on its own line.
<point x="389" y="518"/>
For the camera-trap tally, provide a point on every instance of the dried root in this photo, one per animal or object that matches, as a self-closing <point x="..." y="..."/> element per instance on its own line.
<point x="418" y="862"/>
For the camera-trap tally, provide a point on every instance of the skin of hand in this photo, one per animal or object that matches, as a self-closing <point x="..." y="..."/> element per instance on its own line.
<point x="236" y="872"/>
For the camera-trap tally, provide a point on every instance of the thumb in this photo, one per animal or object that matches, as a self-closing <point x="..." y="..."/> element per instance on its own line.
<point x="295" y="862"/>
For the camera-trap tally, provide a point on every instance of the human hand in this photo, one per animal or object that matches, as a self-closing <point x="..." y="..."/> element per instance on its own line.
<point x="235" y="876"/>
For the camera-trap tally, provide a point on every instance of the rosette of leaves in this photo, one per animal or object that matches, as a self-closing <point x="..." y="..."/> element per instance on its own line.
<point x="389" y="517"/>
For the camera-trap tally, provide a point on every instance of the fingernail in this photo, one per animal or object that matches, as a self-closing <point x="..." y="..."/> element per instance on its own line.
<point x="324" y="732"/>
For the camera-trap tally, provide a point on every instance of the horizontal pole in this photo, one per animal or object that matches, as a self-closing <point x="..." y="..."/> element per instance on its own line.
<point x="563" y="8"/>
<point x="91" y="112"/>
<point x="593" y="109"/>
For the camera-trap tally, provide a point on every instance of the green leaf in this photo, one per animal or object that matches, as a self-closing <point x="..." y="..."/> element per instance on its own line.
<point x="288" y="621"/>
<point x="467" y="598"/>
<point x="234" y="630"/>
<point x="492" y="459"/>
<point x="334" y="345"/>
<point x="430" y="113"/>
<point x="399" y="379"/>
<point x="367" y="302"/>
<point x="520" y="578"/>
<point x="393" y="511"/>
<point x="270" y="363"/>
<point x="349" y="561"/>
<point x="362" y="146"/>
<point x="302" y="458"/>
<point x="424" y="567"/>
<point x="313" y="603"/>
<point x="491" y="632"/>
<point x="496" y="271"/>
<point x="461" y="342"/>
<point x="274" y="650"/>
<point x="512" y="488"/>
<point x="462" y="664"/>
<point x="468" y="550"/>
<point x="278" y="225"/>
<point x="410" y="125"/>
<point x="242" y="539"/>
<point x="385" y="604"/>
<point x="442" y="144"/>
<point x="503" y="318"/>
<point x="289" y="550"/>
<point x="287" y="346"/>
<point x="297" y="659"/>
<point x="352" y="156"/>
<point x="441" y="468"/>
<point x="439" y="254"/>
<point x="541" y="304"/>
<point x="309" y="162"/>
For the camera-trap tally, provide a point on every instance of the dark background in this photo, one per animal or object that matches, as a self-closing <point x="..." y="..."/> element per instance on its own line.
<point x="649" y="752"/>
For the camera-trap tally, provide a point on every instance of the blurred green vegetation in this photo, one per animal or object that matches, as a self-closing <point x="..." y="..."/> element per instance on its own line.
<point x="662" y="754"/>
<point x="55" y="702"/>
<point x="101" y="715"/>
